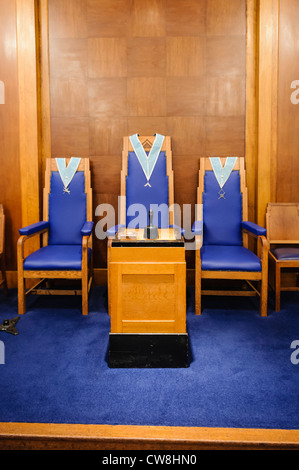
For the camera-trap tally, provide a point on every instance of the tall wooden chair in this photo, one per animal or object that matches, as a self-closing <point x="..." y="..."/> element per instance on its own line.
<point x="221" y="233"/>
<point x="282" y="221"/>
<point x="135" y="189"/>
<point x="66" y="230"/>
<point x="3" y="281"/>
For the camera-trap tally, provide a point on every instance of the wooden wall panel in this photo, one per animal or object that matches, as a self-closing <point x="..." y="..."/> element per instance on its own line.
<point x="107" y="57"/>
<point x="186" y="18"/>
<point x="287" y="188"/>
<point x="146" y="55"/>
<point x="147" y="18"/>
<point x="106" y="18"/>
<point x="147" y="66"/>
<point x="10" y="182"/>
<point x="268" y="40"/>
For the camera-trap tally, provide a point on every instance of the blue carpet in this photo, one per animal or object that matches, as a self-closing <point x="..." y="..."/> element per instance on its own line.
<point x="241" y="374"/>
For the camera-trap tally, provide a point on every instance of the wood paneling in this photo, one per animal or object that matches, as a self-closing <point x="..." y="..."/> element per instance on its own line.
<point x="185" y="18"/>
<point x="28" y="112"/>
<point x="108" y="19"/>
<point x="287" y="189"/>
<point x="251" y="131"/>
<point x="71" y="136"/>
<point x="267" y="102"/>
<point x="10" y="192"/>
<point x="106" y="135"/>
<point x="146" y="66"/>
<point x="146" y="96"/>
<point x="225" y="137"/>
<point x="225" y="18"/>
<point x="69" y="98"/>
<point x="146" y="56"/>
<point x="185" y="56"/>
<point x="186" y="96"/>
<point x="71" y="58"/>
<point x="225" y="56"/>
<point x="68" y="19"/>
<point x="107" y="57"/>
<point x="43" y="88"/>
<point x="147" y="18"/>
<point x="107" y="97"/>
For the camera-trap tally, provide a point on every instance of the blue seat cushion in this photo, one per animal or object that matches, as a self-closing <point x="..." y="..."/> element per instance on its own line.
<point x="286" y="253"/>
<point x="56" y="258"/>
<point x="228" y="258"/>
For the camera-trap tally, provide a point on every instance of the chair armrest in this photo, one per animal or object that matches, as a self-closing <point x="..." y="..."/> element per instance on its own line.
<point x="34" y="228"/>
<point x="254" y="229"/>
<point x="87" y="229"/>
<point x="111" y="232"/>
<point x="197" y="227"/>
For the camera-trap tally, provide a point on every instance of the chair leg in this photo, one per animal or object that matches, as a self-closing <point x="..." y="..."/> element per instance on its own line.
<point x="84" y="295"/>
<point x="264" y="298"/>
<point x="277" y="287"/>
<point x="21" y="295"/>
<point x="264" y="279"/>
<point x="197" y="283"/>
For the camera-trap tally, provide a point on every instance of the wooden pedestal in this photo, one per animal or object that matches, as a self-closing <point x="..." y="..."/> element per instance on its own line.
<point x="147" y="296"/>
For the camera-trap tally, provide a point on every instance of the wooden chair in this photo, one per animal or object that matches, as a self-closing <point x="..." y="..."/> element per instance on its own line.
<point x="134" y="189"/>
<point x="3" y="281"/>
<point x="221" y="237"/>
<point x="66" y="230"/>
<point x="282" y="222"/>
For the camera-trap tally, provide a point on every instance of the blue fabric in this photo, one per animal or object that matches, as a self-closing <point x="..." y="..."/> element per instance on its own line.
<point x="67" y="212"/>
<point x="222" y="217"/>
<point x="34" y="228"/>
<point x="87" y="228"/>
<point x="228" y="258"/>
<point x="254" y="228"/>
<point x="137" y="193"/>
<point x="56" y="258"/>
<point x="240" y="375"/>
<point x="286" y="253"/>
<point x="197" y="227"/>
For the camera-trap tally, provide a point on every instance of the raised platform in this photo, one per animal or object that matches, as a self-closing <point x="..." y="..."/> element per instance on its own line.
<point x="43" y="436"/>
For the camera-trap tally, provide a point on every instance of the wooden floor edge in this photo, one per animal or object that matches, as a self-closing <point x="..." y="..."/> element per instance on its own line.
<point x="49" y="436"/>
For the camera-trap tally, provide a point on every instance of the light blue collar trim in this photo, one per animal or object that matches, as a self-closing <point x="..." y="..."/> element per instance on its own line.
<point x="147" y="162"/>
<point x="67" y="172"/>
<point x="222" y="173"/>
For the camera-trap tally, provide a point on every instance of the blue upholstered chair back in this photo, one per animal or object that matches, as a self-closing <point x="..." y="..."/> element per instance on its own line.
<point x="67" y="212"/>
<point x="137" y="193"/>
<point x="222" y="217"/>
